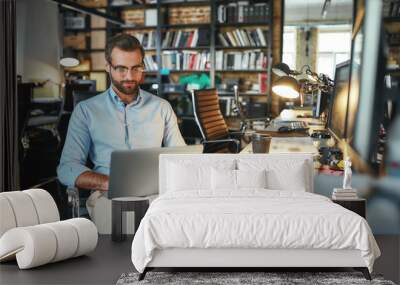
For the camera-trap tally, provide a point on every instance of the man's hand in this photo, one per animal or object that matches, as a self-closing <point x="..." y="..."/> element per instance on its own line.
<point x="92" y="181"/>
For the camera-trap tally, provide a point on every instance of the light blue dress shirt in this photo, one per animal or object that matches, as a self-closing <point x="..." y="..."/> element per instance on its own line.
<point x="102" y="124"/>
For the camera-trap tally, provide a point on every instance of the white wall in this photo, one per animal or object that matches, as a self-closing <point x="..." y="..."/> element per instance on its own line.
<point x="38" y="43"/>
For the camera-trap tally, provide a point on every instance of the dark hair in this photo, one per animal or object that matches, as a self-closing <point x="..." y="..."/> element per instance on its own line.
<point x="124" y="42"/>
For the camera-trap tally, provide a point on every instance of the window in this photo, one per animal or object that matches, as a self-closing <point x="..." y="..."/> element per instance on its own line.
<point x="289" y="47"/>
<point x="333" y="48"/>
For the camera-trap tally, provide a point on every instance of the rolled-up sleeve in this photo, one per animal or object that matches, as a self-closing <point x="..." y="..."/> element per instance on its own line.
<point x="172" y="134"/>
<point x="76" y="148"/>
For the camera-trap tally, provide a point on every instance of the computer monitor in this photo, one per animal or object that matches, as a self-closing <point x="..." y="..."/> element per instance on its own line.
<point x="338" y="105"/>
<point x="366" y="92"/>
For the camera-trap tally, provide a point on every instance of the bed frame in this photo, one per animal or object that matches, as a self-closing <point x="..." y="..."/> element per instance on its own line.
<point x="243" y="259"/>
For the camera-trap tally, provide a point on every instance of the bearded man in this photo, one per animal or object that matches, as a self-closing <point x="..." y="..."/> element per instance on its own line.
<point x="123" y="117"/>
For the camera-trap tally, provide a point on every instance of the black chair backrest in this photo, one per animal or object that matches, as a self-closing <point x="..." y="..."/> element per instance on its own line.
<point x="70" y="88"/>
<point x="79" y="96"/>
<point x="25" y="95"/>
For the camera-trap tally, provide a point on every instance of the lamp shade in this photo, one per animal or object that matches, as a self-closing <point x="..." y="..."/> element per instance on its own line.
<point x="69" y="58"/>
<point x="286" y="87"/>
<point x="281" y="69"/>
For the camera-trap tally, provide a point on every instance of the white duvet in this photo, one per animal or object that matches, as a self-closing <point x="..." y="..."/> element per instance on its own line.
<point x="253" y="218"/>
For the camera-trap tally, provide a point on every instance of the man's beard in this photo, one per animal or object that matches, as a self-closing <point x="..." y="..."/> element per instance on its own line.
<point x="131" y="90"/>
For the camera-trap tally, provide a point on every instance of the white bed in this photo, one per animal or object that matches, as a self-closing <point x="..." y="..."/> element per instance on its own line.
<point x="247" y="227"/>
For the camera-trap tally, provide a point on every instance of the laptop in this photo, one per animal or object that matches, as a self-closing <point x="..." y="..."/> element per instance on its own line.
<point x="134" y="173"/>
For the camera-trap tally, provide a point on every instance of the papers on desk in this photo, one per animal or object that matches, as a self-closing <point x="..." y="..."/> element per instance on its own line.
<point x="288" y="144"/>
<point x="292" y="144"/>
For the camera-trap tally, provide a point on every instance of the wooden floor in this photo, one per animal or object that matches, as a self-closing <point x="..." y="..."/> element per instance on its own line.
<point x="103" y="266"/>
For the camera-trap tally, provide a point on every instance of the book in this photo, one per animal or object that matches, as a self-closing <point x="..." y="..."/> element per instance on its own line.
<point x="222" y="40"/>
<point x="150" y="16"/>
<point x="204" y="37"/>
<point x="344" y="198"/>
<point x="240" y="10"/>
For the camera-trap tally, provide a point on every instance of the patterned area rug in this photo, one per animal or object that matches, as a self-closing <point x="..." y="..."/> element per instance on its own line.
<point x="242" y="278"/>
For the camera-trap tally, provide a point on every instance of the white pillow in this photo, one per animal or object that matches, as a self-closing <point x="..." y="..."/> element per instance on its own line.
<point x="194" y="174"/>
<point x="296" y="181"/>
<point x="251" y="178"/>
<point x="282" y="174"/>
<point x="183" y="178"/>
<point x="223" y="179"/>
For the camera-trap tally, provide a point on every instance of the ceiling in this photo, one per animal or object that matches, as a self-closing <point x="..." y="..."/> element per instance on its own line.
<point x="308" y="12"/>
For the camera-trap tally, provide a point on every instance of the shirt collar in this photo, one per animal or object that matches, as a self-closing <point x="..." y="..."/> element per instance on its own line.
<point x="115" y="98"/>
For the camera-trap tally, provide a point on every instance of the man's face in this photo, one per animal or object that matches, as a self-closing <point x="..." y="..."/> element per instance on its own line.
<point x="126" y="70"/>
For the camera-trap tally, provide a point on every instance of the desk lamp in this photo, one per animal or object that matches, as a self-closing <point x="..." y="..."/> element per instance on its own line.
<point x="287" y="86"/>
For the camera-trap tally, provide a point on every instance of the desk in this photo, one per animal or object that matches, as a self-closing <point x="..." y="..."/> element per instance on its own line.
<point x="288" y="144"/>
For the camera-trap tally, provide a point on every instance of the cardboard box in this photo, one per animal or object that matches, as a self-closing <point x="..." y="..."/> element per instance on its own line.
<point x="98" y="60"/>
<point x="98" y="22"/>
<point x="133" y="16"/>
<point x="93" y="3"/>
<point x="189" y="15"/>
<point x="101" y="80"/>
<point x="77" y="41"/>
<point x="97" y="39"/>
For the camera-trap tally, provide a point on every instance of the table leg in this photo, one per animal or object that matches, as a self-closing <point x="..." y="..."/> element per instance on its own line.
<point x="116" y="230"/>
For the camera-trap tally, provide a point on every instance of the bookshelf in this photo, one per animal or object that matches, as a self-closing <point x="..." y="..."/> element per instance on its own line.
<point x="391" y="20"/>
<point x="86" y="35"/>
<point x="230" y="41"/>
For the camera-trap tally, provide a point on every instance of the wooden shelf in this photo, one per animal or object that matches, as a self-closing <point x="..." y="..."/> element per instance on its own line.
<point x="89" y="50"/>
<point x="134" y="28"/>
<point x="241" y="24"/>
<point x="186" y="48"/>
<point x="186" y="3"/>
<point x="86" y="71"/>
<point x="84" y="30"/>
<point x="241" y="94"/>
<point x="184" y="26"/>
<point x="173" y="92"/>
<point x="135" y="6"/>
<point x="243" y="70"/>
<point x="391" y="19"/>
<point x="188" y="71"/>
<point x="242" y="47"/>
<point x="393" y="70"/>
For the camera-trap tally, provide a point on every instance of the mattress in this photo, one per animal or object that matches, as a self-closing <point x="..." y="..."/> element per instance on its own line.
<point x="250" y="219"/>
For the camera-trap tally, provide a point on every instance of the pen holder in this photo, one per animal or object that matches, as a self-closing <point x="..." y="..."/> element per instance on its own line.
<point x="260" y="143"/>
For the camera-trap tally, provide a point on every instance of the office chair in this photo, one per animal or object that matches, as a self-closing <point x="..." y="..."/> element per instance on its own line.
<point x="25" y="94"/>
<point x="215" y="134"/>
<point x="76" y="85"/>
<point x="79" y="95"/>
<point x="75" y="199"/>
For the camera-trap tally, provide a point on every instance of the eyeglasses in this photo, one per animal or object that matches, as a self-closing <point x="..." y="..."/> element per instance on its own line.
<point x="123" y="70"/>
